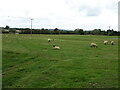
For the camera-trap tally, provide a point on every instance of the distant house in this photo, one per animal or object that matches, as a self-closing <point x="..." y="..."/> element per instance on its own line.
<point x="18" y="31"/>
<point x="5" y="31"/>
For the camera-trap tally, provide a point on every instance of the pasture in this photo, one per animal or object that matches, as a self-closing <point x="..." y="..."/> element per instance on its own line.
<point x="30" y="62"/>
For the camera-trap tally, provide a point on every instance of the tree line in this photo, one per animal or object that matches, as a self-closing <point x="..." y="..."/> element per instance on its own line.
<point x="109" y="32"/>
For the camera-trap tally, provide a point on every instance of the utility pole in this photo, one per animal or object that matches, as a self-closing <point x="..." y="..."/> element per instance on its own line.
<point x="8" y="23"/>
<point x="31" y="26"/>
<point x="109" y="27"/>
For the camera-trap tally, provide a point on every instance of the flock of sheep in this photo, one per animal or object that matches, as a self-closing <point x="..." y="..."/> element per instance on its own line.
<point x="91" y="45"/>
<point x="54" y="46"/>
<point x="105" y="43"/>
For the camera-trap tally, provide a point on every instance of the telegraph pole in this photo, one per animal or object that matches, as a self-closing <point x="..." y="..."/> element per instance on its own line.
<point x="8" y="23"/>
<point x="109" y="27"/>
<point x="31" y="26"/>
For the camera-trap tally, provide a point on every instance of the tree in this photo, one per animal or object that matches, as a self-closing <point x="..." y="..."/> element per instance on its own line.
<point x="12" y="30"/>
<point x="96" y="31"/>
<point x="110" y="32"/>
<point x="7" y="27"/>
<point x="79" y="31"/>
<point x="56" y="29"/>
<point x="42" y="29"/>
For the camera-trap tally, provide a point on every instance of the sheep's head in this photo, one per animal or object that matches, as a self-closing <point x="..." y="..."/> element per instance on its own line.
<point x="54" y="45"/>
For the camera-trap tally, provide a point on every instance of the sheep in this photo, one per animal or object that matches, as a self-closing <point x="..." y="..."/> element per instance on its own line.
<point x="56" y="47"/>
<point x="105" y="42"/>
<point x="93" y="45"/>
<point x="112" y="42"/>
<point x="49" y="40"/>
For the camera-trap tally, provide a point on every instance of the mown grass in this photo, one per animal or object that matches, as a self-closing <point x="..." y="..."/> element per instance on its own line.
<point x="30" y="62"/>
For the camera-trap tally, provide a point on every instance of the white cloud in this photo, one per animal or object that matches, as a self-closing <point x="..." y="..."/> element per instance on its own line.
<point x="68" y="14"/>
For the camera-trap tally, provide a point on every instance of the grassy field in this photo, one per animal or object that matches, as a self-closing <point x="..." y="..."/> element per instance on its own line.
<point x="30" y="62"/>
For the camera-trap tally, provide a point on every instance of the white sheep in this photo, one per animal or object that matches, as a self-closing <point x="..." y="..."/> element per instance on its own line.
<point x="49" y="40"/>
<point x="93" y="45"/>
<point x="112" y="42"/>
<point x="56" y="47"/>
<point x="105" y="42"/>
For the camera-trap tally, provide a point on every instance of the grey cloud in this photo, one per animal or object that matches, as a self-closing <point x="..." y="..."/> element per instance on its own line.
<point x="93" y="12"/>
<point x="90" y="11"/>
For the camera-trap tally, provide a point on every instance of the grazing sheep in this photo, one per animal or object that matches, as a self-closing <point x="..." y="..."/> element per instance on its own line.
<point x="112" y="42"/>
<point x="105" y="42"/>
<point x="93" y="45"/>
<point x="49" y="40"/>
<point x="56" y="47"/>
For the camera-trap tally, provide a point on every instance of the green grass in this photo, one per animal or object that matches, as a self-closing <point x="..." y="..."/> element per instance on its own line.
<point x="30" y="62"/>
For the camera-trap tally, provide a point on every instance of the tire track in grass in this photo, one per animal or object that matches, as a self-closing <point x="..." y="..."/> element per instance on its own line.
<point x="22" y="71"/>
<point x="33" y="75"/>
<point x="26" y="62"/>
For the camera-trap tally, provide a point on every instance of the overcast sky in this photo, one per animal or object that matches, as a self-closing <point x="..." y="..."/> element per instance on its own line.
<point x="62" y="14"/>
